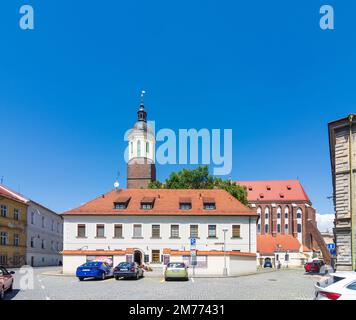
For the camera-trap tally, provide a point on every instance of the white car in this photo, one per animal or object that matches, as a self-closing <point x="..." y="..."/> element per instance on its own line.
<point x="336" y="286"/>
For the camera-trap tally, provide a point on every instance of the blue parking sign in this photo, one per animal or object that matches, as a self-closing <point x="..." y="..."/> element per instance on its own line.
<point x="193" y="241"/>
<point x="331" y="246"/>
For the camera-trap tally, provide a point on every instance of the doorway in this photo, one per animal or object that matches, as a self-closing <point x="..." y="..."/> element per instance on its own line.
<point x="138" y="257"/>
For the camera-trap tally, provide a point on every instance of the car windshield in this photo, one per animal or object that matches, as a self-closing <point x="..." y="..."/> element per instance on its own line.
<point x="92" y="264"/>
<point x="125" y="265"/>
<point x="329" y="280"/>
<point x="176" y="265"/>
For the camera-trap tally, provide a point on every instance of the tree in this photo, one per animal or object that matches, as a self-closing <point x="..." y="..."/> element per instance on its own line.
<point x="200" y="178"/>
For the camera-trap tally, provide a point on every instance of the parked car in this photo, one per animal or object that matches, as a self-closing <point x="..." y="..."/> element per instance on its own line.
<point x="313" y="266"/>
<point x="337" y="286"/>
<point x="128" y="270"/>
<point x="6" y="281"/>
<point x="176" y="270"/>
<point x="94" y="269"/>
<point x="268" y="264"/>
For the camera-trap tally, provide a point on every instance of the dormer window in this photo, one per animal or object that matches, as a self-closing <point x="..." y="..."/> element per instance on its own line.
<point x="262" y="195"/>
<point x="121" y="203"/>
<point x="281" y="195"/>
<point x="147" y="203"/>
<point x="268" y="187"/>
<point x="250" y="188"/>
<point x="185" y="206"/>
<point x="289" y="187"/>
<point x="185" y="203"/>
<point x="209" y="204"/>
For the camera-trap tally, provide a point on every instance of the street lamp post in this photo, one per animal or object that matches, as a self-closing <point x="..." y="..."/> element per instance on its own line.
<point x="225" y="268"/>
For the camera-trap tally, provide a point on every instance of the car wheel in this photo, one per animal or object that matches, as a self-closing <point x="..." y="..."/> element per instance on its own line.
<point x="81" y="279"/>
<point x="2" y="293"/>
<point x="11" y="287"/>
<point x="166" y="279"/>
<point x="117" y="278"/>
<point x="103" y="276"/>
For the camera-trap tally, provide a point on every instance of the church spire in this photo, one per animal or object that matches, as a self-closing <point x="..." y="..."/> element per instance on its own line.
<point x="141" y="113"/>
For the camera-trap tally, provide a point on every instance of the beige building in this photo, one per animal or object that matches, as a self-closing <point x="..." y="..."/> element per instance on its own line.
<point x="342" y="140"/>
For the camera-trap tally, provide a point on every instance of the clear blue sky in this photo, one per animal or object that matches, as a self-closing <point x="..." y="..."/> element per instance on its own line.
<point x="70" y="88"/>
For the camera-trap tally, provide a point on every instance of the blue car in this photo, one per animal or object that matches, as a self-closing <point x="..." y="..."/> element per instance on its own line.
<point x="94" y="269"/>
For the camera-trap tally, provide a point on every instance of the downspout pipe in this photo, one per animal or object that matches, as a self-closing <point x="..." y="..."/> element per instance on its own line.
<point x="351" y="194"/>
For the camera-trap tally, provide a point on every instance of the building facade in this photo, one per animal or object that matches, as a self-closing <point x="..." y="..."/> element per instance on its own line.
<point x="44" y="236"/>
<point x="13" y="229"/>
<point x="342" y="142"/>
<point x="34" y="234"/>
<point x="155" y="226"/>
<point x="286" y="231"/>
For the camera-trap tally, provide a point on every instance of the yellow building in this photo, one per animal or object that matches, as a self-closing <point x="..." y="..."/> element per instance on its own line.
<point x="13" y="233"/>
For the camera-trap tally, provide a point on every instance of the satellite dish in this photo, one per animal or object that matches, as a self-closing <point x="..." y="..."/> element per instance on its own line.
<point x="116" y="184"/>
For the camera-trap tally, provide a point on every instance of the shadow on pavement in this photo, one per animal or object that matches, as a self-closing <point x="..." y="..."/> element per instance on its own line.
<point x="9" y="295"/>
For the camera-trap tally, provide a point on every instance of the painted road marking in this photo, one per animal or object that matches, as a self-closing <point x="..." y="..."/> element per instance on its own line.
<point x="162" y="281"/>
<point x="192" y="279"/>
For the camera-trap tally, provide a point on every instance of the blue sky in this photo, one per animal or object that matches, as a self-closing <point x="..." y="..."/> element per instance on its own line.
<point x="70" y="88"/>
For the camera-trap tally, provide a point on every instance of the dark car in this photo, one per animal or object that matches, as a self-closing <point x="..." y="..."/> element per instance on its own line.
<point x="128" y="270"/>
<point x="313" y="266"/>
<point x="6" y="281"/>
<point x="267" y="264"/>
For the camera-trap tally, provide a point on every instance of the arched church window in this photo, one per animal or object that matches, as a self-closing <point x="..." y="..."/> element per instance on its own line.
<point x="299" y="213"/>
<point x="286" y="212"/>
<point x="279" y="210"/>
<point x="266" y="214"/>
<point x="147" y="147"/>
<point x="138" y="148"/>
<point x="131" y="148"/>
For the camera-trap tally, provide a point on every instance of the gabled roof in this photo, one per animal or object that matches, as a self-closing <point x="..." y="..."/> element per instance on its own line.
<point x="8" y="193"/>
<point x="274" y="190"/>
<point x="267" y="244"/>
<point x="166" y="202"/>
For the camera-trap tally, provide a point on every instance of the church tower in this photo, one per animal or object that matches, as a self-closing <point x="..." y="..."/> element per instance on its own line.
<point x="141" y="169"/>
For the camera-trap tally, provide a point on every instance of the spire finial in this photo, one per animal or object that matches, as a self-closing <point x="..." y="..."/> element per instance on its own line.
<point x="142" y="97"/>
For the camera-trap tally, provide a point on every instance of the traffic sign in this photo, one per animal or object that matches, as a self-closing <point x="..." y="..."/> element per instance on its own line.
<point x="331" y="246"/>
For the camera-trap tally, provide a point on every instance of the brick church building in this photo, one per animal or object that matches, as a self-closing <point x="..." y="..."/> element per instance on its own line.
<point x="286" y="229"/>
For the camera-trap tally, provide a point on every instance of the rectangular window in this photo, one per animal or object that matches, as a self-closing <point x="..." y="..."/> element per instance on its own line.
<point x="3" y="260"/>
<point x="137" y="231"/>
<point x="299" y="228"/>
<point x="52" y="227"/>
<point x="156" y="231"/>
<point x="118" y="231"/>
<point x="43" y="244"/>
<point x="259" y="228"/>
<point x="16" y="214"/>
<point x="32" y="218"/>
<point x="155" y="256"/>
<point x="174" y="231"/>
<point x="3" y="238"/>
<point x="278" y="228"/>
<point x="16" y="240"/>
<point x="194" y="231"/>
<point x="286" y="228"/>
<point x="185" y="206"/>
<point x="100" y="231"/>
<point x="236" y="231"/>
<point x="146" y="206"/>
<point x="120" y="205"/>
<point x="209" y="206"/>
<point x="212" y="231"/>
<point x="81" y="231"/>
<point x="3" y="210"/>
<point x="43" y="222"/>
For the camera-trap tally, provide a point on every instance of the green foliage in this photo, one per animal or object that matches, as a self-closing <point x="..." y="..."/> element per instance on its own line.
<point x="200" y="178"/>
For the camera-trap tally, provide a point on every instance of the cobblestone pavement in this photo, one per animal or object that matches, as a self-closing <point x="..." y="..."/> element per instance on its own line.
<point x="277" y="285"/>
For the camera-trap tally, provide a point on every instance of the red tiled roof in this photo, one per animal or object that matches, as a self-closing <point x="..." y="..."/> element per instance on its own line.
<point x="267" y="244"/>
<point x="274" y="190"/>
<point x="6" y="192"/>
<point x="166" y="203"/>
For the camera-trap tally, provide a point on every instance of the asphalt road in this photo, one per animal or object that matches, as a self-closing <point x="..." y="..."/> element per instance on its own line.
<point x="278" y="285"/>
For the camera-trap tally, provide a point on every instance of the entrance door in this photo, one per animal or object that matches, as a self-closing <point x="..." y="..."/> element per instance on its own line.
<point x="32" y="261"/>
<point x="138" y="257"/>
